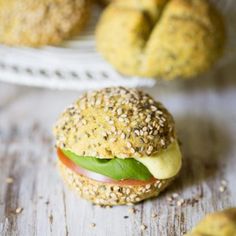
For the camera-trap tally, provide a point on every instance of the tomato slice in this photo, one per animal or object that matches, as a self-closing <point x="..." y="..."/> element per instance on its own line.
<point x="98" y="177"/>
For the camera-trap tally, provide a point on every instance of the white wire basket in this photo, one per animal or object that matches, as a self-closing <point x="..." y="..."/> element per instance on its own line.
<point x="76" y="65"/>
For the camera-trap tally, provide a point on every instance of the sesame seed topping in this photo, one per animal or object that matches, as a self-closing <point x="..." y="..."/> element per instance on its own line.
<point x="132" y="150"/>
<point x="148" y="186"/>
<point x="129" y="145"/>
<point x="84" y="122"/>
<point x="150" y="148"/>
<point x="119" y="111"/>
<point x="122" y="135"/>
<point x="111" y="122"/>
<point x="145" y="128"/>
<point x="162" y="142"/>
<point x="136" y="132"/>
<point x="127" y="191"/>
<point x="113" y="140"/>
<point x="113" y="129"/>
<point x="153" y="108"/>
<point x="123" y="116"/>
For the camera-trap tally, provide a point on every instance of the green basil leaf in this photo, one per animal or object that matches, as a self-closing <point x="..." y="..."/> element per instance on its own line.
<point x="118" y="169"/>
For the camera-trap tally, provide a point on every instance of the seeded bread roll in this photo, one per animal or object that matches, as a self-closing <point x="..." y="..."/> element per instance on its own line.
<point x="217" y="224"/>
<point x="161" y="38"/>
<point x="109" y="194"/>
<point x="115" y="122"/>
<point x="41" y="22"/>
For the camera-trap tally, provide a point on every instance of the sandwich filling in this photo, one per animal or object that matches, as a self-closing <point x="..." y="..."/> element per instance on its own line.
<point x="163" y="165"/>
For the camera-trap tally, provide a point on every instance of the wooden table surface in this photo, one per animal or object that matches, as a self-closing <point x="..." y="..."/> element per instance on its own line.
<point x="33" y="200"/>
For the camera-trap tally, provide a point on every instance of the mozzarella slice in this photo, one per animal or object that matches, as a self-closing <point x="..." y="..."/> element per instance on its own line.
<point x="165" y="164"/>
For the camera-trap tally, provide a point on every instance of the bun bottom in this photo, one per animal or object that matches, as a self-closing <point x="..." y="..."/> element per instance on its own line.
<point x="110" y="194"/>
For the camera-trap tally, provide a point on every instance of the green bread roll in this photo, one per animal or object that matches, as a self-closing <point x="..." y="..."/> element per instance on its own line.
<point x="216" y="224"/>
<point x="160" y="38"/>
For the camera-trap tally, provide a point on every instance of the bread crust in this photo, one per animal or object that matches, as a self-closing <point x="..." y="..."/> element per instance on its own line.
<point x="221" y="223"/>
<point x="167" y="39"/>
<point x="41" y="22"/>
<point x="109" y="194"/>
<point x="115" y="122"/>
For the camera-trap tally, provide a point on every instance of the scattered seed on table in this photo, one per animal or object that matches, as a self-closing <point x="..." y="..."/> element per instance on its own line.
<point x="18" y="210"/>
<point x="154" y="215"/>
<point x="9" y="180"/>
<point x="132" y="210"/>
<point x="92" y="225"/>
<point x="143" y="227"/>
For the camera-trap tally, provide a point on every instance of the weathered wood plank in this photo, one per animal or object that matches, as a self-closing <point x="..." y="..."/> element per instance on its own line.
<point x="205" y="117"/>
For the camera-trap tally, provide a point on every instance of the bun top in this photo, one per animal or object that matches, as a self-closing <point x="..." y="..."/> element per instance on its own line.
<point x="115" y="122"/>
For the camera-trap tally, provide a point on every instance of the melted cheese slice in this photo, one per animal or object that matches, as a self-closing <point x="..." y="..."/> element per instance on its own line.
<point x="165" y="164"/>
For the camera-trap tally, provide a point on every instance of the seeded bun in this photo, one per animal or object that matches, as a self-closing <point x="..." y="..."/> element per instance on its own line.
<point x="110" y="123"/>
<point x="161" y="38"/>
<point x="219" y="223"/>
<point x="41" y="22"/>
<point x="115" y="122"/>
<point x="108" y="194"/>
